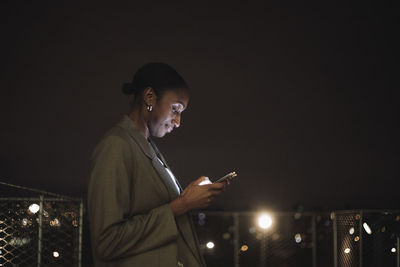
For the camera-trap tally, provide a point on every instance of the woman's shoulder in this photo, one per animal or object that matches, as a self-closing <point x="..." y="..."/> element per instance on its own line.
<point x="115" y="136"/>
<point x="124" y="137"/>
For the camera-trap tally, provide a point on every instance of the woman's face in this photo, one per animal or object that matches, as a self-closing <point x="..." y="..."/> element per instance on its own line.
<point x="166" y="114"/>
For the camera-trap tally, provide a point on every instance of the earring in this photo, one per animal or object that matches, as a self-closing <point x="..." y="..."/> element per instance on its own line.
<point x="149" y="108"/>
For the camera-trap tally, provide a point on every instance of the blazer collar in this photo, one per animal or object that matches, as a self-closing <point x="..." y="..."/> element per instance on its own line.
<point x="127" y="124"/>
<point x="183" y="220"/>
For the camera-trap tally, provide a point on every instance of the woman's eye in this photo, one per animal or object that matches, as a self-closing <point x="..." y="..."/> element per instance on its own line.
<point x="177" y="109"/>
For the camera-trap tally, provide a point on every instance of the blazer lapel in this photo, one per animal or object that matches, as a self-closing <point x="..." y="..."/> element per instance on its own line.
<point x="164" y="162"/>
<point x="165" y="177"/>
<point x="148" y="150"/>
<point x="183" y="222"/>
<point x="127" y="124"/>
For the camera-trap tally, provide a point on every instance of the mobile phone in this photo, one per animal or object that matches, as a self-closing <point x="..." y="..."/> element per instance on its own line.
<point x="228" y="176"/>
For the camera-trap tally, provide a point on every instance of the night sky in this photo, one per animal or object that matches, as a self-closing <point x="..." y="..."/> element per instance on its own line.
<point x="302" y="103"/>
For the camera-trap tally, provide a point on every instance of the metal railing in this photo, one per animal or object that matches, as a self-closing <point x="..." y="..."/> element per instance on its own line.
<point x="366" y="238"/>
<point x="46" y="230"/>
<point x="356" y="238"/>
<point x="40" y="231"/>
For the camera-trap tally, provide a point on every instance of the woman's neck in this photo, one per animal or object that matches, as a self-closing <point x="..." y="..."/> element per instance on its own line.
<point x="140" y="122"/>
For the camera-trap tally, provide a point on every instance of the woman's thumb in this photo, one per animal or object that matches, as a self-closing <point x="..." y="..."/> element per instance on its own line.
<point x="203" y="180"/>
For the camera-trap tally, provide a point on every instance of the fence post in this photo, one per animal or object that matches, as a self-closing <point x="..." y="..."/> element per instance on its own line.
<point x="80" y="233"/>
<point x="398" y="251"/>
<point x="263" y="250"/>
<point x="335" y="252"/>
<point x="361" y="238"/>
<point x="39" y="256"/>
<point x="236" y="239"/>
<point x="314" y="241"/>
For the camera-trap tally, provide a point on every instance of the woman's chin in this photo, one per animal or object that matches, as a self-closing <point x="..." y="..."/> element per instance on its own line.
<point x="160" y="134"/>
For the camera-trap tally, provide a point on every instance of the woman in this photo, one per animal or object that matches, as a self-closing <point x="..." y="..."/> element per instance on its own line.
<point x="137" y="210"/>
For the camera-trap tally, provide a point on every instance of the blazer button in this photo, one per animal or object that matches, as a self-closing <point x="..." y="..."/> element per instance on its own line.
<point x="180" y="264"/>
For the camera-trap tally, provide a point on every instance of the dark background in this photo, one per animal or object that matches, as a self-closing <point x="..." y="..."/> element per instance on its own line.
<point x="301" y="102"/>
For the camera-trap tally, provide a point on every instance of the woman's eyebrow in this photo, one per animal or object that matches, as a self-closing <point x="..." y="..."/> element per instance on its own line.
<point x="180" y="102"/>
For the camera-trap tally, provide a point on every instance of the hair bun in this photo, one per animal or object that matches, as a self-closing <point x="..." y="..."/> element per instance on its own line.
<point x="128" y="89"/>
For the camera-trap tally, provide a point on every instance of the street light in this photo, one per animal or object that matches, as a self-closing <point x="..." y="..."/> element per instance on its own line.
<point x="264" y="221"/>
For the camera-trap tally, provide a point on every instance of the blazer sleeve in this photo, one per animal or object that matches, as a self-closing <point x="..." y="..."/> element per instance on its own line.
<point x="113" y="234"/>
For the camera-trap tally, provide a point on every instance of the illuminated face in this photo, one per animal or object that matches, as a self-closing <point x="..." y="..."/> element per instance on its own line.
<point x="166" y="114"/>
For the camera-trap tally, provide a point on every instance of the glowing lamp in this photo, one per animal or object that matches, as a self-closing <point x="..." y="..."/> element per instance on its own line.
<point x="264" y="221"/>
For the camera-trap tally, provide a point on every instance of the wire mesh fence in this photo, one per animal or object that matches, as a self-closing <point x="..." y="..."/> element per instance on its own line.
<point x="40" y="232"/>
<point x="336" y="239"/>
<point x="347" y="239"/>
<point x="45" y="231"/>
<point x="236" y="239"/>
<point x="286" y="243"/>
<point x="366" y="238"/>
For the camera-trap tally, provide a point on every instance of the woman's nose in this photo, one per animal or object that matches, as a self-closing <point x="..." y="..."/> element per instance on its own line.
<point x="177" y="120"/>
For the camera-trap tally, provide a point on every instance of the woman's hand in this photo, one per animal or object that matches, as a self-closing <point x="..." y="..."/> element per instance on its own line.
<point x="196" y="196"/>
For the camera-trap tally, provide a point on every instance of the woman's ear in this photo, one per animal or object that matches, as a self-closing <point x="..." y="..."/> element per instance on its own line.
<point x="149" y="96"/>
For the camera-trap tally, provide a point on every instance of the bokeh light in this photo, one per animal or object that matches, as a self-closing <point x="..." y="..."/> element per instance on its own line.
<point x="265" y="221"/>
<point x="34" y="208"/>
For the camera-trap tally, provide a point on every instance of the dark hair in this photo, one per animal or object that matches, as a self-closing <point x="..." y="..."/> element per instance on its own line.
<point x="159" y="76"/>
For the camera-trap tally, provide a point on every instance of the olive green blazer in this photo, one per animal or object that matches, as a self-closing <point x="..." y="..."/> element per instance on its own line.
<point x="130" y="219"/>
